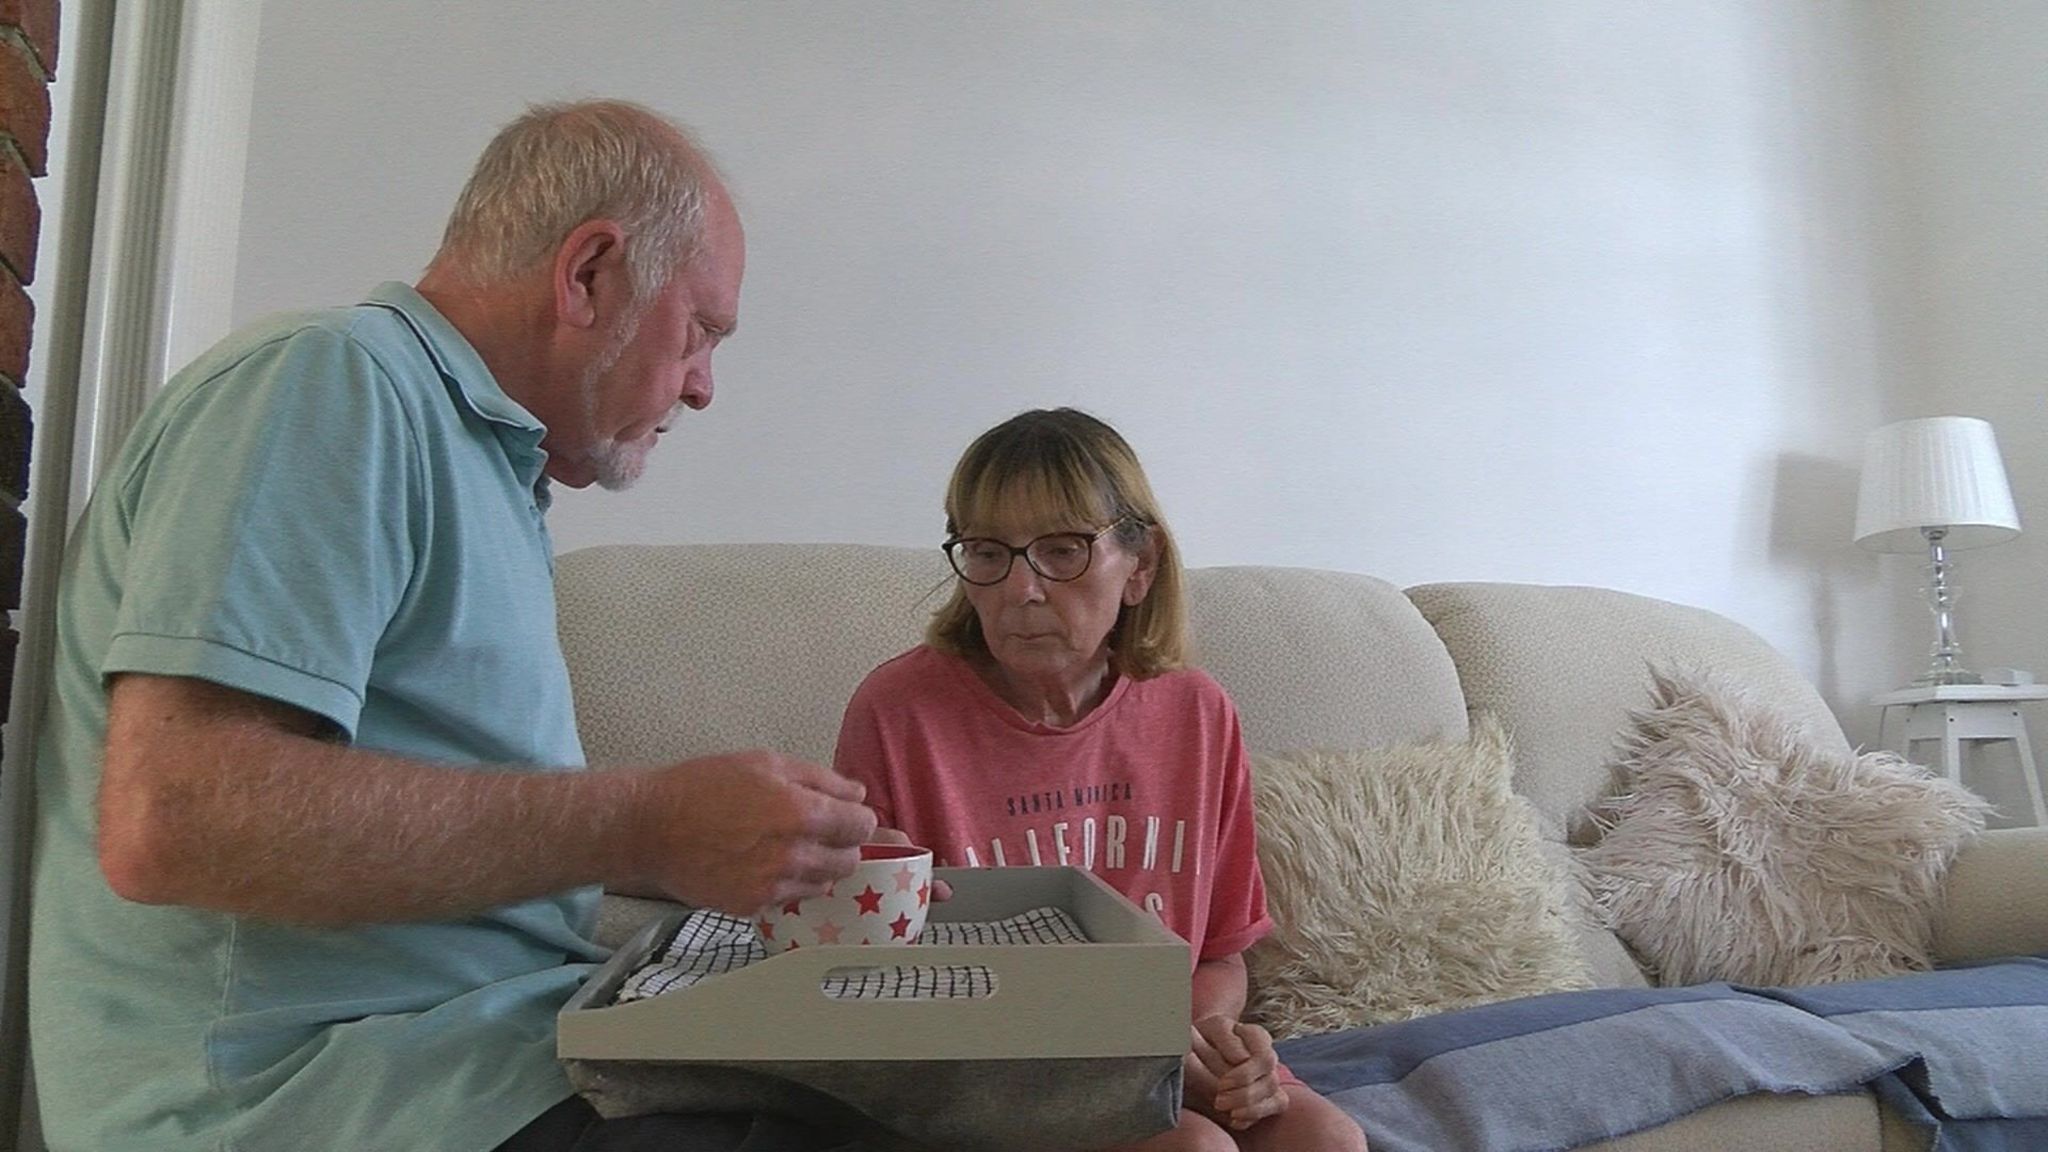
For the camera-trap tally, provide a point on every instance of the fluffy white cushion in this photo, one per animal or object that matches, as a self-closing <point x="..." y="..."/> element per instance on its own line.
<point x="1736" y="851"/>
<point x="1402" y="881"/>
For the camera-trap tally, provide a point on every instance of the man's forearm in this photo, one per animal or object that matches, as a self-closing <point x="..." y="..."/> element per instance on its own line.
<point x="235" y="813"/>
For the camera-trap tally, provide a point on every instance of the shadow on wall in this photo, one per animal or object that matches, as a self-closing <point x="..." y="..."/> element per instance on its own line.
<point x="1813" y="501"/>
<point x="1860" y="618"/>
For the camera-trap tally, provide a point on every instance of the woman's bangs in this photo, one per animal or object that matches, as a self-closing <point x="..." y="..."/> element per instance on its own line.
<point x="1041" y="496"/>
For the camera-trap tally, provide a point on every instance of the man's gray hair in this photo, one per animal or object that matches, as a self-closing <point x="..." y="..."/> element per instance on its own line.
<point x="560" y="165"/>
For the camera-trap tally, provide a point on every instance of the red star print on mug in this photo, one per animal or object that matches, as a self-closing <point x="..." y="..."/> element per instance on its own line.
<point x="882" y="901"/>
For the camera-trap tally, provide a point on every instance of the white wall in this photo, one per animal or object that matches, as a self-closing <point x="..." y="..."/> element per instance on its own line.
<point x="1569" y="292"/>
<point x="1972" y="101"/>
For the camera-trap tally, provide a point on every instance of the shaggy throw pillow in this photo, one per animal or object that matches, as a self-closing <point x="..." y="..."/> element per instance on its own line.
<point x="1402" y="881"/>
<point x="1734" y="851"/>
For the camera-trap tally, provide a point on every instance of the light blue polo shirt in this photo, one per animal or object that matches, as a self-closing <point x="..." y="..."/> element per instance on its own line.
<point x="343" y="511"/>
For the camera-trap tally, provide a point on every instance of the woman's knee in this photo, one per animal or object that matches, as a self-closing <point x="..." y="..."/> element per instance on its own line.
<point x="1311" y="1121"/>
<point x="1205" y="1135"/>
<point x="1194" y="1133"/>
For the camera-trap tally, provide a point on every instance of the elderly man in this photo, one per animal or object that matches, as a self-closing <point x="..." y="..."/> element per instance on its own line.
<point x="315" y="866"/>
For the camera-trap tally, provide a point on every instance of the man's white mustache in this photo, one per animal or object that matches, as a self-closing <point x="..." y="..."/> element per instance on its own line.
<point x="674" y="414"/>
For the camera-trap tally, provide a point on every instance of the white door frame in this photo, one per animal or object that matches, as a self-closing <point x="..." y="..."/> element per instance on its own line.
<point x="156" y="121"/>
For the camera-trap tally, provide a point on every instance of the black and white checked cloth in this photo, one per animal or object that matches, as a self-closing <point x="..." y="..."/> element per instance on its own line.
<point x="707" y="943"/>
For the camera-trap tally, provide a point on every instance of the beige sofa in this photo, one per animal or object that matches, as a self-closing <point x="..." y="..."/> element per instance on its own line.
<point x="690" y="649"/>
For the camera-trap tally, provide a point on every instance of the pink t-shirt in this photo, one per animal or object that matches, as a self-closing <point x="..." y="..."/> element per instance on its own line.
<point x="1151" y="791"/>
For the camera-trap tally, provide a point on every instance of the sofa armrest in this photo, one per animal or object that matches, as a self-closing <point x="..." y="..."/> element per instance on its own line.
<point x="1996" y="898"/>
<point x="618" y="917"/>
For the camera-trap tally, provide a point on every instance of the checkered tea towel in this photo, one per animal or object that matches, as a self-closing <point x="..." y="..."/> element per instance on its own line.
<point x="707" y="943"/>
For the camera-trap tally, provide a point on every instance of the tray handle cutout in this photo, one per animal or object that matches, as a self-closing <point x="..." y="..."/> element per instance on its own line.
<point x="908" y="982"/>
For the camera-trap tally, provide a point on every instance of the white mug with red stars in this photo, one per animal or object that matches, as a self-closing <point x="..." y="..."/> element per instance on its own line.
<point x="884" y="901"/>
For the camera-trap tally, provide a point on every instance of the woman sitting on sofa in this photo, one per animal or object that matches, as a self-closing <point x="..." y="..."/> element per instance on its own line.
<point x="1048" y="719"/>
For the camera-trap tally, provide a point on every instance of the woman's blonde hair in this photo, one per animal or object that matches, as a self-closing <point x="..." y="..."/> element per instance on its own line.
<point x="1063" y="466"/>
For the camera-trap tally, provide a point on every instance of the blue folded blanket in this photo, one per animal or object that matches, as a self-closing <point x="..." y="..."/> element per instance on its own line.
<point x="1962" y="1052"/>
<point x="1570" y="1068"/>
<point x="1974" y="1041"/>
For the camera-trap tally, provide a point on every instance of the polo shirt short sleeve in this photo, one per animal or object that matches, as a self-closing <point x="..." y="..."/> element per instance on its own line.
<point x="270" y="526"/>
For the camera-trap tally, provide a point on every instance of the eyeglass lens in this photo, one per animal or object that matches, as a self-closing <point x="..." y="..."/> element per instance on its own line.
<point x="1055" y="556"/>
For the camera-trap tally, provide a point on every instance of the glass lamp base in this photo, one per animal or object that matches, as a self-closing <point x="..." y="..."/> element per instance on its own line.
<point x="1945" y="664"/>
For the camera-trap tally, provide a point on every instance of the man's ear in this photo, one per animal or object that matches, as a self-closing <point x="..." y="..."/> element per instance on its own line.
<point x="590" y="278"/>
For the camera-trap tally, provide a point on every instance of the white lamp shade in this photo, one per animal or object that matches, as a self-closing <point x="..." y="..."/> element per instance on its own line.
<point x="1941" y="472"/>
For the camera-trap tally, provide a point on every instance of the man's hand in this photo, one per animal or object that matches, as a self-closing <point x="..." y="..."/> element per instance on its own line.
<point x="1231" y="1072"/>
<point x="742" y="831"/>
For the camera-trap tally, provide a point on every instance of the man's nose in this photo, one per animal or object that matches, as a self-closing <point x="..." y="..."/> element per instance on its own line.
<point x="697" y="388"/>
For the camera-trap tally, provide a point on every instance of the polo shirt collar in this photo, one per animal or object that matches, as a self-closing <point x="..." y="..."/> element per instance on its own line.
<point x="470" y="380"/>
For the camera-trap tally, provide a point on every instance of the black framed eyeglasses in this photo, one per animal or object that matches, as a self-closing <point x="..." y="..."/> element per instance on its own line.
<point x="1057" y="556"/>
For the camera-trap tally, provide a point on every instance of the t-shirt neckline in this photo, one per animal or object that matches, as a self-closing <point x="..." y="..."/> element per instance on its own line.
<point x="1008" y="714"/>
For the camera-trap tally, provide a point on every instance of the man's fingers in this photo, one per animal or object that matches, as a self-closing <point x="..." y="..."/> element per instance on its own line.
<point x="789" y="890"/>
<point x="740" y="831"/>
<point x="835" y="823"/>
<point x="812" y="872"/>
<point x="819" y="865"/>
<point x="818" y="778"/>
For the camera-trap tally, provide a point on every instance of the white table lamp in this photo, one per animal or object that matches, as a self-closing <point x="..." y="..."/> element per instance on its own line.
<point x="1935" y="485"/>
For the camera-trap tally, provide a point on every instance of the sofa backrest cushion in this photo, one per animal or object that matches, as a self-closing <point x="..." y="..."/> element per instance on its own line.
<point x="1563" y="666"/>
<point x="682" y="650"/>
<point x="1318" y="659"/>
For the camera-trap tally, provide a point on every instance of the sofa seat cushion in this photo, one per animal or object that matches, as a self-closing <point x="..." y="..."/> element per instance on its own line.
<point x="1402" y="881"/>
<point x="1844" y="1122"/>
<point x="1995" y="902"/>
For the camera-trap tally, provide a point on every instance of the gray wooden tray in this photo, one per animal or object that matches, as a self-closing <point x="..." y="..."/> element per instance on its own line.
<point x="1124" y="994"/>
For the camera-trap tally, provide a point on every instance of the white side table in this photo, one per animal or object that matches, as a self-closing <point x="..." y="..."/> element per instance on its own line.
<point x="1956" y="714"/>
